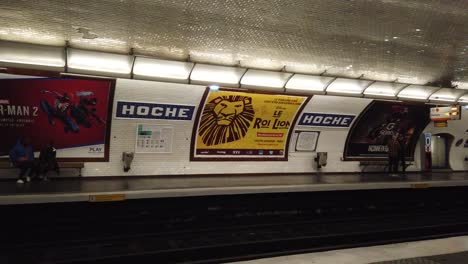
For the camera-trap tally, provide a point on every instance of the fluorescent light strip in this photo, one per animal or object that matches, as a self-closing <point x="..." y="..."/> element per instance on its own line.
<point x="347" y="86"/>
<point x="444" y="99"/>
<point x="20" y="55"/>
<point x="417" y="92"/>
<point x="447" y="95"/>
<point x="308" y="83"/>
<point x="264" y="79"/>
<point x="221" y="75"/>
<point x="162" y="70"/>
<point x="384" y="89"/>
<point x="463" y="99"/>
<point x="98" y="62"/>
<point x="27" y="55"/>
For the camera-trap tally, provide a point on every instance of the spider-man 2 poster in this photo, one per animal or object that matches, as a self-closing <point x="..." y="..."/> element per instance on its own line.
<point x="382" y="120"/>
<point x="71" y="114"/>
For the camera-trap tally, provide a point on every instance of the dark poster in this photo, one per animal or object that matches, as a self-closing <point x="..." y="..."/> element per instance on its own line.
<point x="71" y="113"/>
<point x="379" y="122"/>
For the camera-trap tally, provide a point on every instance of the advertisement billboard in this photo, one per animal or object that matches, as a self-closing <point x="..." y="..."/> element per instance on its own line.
<point x="379" y="122"/>
<point x="235" y="125"/>
<point x="72" y="114"/>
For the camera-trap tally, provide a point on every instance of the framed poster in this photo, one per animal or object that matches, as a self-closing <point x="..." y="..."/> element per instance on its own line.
<point x="73" y="114"/>
<point x="379" y="122"/>
<point x="153" y="138"/>
<point x="238" y="125"/>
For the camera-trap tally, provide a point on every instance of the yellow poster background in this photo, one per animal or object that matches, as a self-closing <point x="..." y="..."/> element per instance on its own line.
<point x="232" y="120"/>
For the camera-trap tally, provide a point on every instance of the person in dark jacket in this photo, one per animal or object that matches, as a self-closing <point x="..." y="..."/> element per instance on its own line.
<point x="47" y="161"/>
<point x="393" y="150"/>
<point x="402" y="152"/>
<point x="22" y="157"/>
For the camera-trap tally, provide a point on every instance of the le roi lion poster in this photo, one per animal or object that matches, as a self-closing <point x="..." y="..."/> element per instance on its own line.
<point x="235" y="125"/>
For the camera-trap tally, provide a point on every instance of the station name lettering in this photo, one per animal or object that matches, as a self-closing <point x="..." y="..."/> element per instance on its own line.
<point x="137" y="110"/>
<point x="326" y="120"/>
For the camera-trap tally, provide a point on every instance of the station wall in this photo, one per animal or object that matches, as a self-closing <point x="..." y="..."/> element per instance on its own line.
<point x="123" y="136"/>
<point x="459" y="130"/>
<point x="331" y="140"/>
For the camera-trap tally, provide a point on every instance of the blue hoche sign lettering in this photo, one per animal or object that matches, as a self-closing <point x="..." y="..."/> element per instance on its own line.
<point x="138" y="110"/>
<point x="326" y="120"/>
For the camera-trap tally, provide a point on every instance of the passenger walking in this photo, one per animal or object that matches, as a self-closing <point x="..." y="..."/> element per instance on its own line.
<point x="22" y="157"/>
<point x="393" y="149"/>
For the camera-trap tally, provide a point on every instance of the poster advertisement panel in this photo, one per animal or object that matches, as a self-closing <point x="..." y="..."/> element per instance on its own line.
<point x="379" y="122"/>
<point x="235" y="125"/>
<point x="72" y="114"/>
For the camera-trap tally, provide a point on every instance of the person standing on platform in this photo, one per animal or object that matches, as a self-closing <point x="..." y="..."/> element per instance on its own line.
<point x="393" y="149"/>
<point x="402" y="152"/>
<point x="22" y="157"/>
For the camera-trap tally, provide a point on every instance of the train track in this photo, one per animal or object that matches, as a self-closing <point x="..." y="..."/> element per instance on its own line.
<point x="245" y="233"/>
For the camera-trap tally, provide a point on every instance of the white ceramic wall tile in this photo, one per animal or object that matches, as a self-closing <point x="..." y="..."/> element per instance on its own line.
<point x="178" y="162"/>
<point x="331" y="140"/>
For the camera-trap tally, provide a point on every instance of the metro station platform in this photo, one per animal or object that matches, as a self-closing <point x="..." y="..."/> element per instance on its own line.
<point x="125" y="188"/>
<point x="453" y="250"/>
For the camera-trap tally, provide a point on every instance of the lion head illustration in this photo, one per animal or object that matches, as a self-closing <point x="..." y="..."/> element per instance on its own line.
<point x="226" y="119"/>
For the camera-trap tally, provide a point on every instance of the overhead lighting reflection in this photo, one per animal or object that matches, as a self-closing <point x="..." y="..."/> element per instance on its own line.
<point x="417" y="92"/>
<point x="384" y="89"/>
<point x="212" y="74"/>
<point x="343" y="86"/>
<point x="162" y="70"/>
<point x="23" y="55"/>
<point x="258" y="79"/>
<point x="308" y="83"/>
<point x="92" y="62"/>
<point x="447" y="95"/>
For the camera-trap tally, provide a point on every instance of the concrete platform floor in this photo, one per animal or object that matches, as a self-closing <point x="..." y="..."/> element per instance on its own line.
<point x="452" y="250"/>
<point x="81" y="189"/>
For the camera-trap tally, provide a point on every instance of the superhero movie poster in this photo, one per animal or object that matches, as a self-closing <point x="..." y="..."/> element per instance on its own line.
<point x="70" y="113"/>
<point x="379" y="122"/>
<point x="234" y="125"/>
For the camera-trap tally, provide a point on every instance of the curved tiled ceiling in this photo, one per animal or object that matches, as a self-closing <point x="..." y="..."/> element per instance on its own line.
<point x="413" y="41"/>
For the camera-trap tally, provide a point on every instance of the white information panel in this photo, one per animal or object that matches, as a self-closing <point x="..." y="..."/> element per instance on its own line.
<point x="154" y="138"/>
<point x="307" y="140"/>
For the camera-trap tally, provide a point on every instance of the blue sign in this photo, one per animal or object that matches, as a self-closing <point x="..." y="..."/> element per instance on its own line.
<point x="326" y="120"/>
<point x="427" y="142"/>
<point x="137" y="110"/>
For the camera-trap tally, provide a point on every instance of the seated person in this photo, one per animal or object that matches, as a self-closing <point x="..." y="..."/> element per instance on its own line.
<point x="47" y="161"/>
<point x="22" y="157"/>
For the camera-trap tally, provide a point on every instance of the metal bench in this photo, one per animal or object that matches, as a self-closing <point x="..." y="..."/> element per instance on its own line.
<point x="374" y="163"/>
<point x="379" y="163"/>
<point x="62" y="165"/>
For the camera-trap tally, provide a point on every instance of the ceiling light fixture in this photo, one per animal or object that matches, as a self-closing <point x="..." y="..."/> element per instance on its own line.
<point x="99" y="63"/>
<point x="384" y="89"/>
<point x="162" y="70"/>
<point x="22" y="55"/>
<point x="212" y="74"/>
<point x="301" y="83"/>
<point x="417" y="92"/>
<point x="343" y="86"/>
<point x="258" y="79"/>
